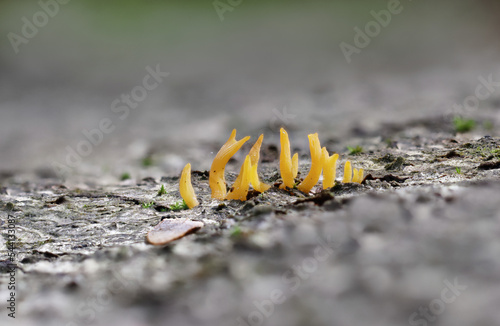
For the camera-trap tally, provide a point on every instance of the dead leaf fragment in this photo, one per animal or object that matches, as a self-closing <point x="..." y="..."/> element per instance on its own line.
<point x="387" y="177"/>
<point x="319" y="199"/>
<point x="489" y="166"/>
<point x="172" y="229"/>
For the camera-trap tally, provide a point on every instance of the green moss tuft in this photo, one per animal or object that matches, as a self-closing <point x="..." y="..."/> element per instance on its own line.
<point x="463" y="125"/>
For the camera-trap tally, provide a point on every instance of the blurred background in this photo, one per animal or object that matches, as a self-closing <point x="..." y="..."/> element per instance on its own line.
<point x="253" y="66"/>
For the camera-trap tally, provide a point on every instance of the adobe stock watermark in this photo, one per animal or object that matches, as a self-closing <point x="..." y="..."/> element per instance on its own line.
<point x="280" y="119"/>
<point x="11" y="285"/>
<point x="292" y="279"/>
<point x="121" y="107"/>
<point x="363" y="38"/>
<point x="485" y="88"/>
<point x="223" y="6"/>
<point x="86" y="312"/>
<point x="436" y="307"/>
<point x="30" y="28"/>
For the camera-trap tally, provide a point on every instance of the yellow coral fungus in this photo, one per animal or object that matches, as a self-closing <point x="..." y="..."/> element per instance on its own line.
<point x="240" y="187"/>
<point x="347" y="173"/>
<point x="354" y="175"/>
<point x="255" y="150"/>
<point x="216" y="179"/>
<point x="252" y="172"/>
<point x="321" y="162"/>
<point x="289" y="166"/>
<point x="186" y="188"/>
<point x="329" y="169"/>
<point x="357" y="176"/>
<point x="255" y="181"/>
<point x="316" y="164"/>
<point x="295" y="165"/>
<point x="360" y="175"/>
<point x="254" y="161"/>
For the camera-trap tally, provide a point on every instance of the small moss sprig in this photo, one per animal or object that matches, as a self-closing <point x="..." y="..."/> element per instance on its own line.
<point x="236" y="232"/>
<point x="148" y="204"/>
<point x="147" y="161"/>
<point x="125" y="176"/>
<point x="355" y="150"/>
<point x="463" y="125"/>
<point x="162" y="191"/>
<point x="179" y="206"/>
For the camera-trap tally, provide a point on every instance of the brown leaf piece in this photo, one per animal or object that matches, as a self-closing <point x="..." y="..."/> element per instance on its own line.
<point x="172" y="229"/>
<point x="387" y="177"/>
<point x="319" y="199"/>
<point x="489" y="166"/>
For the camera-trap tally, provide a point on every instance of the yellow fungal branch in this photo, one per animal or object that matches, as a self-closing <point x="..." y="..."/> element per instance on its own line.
<point x="347" y="172"/>
<point x="242" y="183"/>
<point x="316" y="164"/>
<point x="329" y="169"/>
<point x="186" y="188"/>
<point x="216" y="179"/>
<point x="358" y="176"/>
<point x="295" y="165"/>
<point x="253" y="176"/>
<point x="289" y="166"/>
<point x="254" y="161"/>
<point x="255" y="150"/>
<point x="355" y="175"/>
<point x="255" y="181"/>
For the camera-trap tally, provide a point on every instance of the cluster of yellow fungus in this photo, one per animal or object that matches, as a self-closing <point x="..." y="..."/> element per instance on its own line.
<point x="248" y="175"/>
<point x="321" y="163"/>
<point x="217" y="180"/>
<point x="355" y="175"/>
